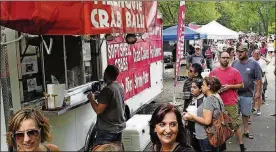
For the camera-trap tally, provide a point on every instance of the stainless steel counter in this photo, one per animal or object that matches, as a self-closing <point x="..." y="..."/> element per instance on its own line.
<point x="64" y="109"/>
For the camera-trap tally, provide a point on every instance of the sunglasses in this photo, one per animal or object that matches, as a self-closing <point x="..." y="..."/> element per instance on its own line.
<point x="238" y="51"/>
<point x="225" y="57"/>
<point x="32" y="133"/>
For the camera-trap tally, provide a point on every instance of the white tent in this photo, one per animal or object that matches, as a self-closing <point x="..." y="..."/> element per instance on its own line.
<point x="214" y="30"/>
<point x="240" y="33"/>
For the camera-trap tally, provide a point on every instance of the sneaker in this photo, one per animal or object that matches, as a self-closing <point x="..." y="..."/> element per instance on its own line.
<point x="259" y="112"/>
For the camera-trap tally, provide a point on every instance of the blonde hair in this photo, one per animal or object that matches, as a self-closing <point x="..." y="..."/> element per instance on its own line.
<point x="28" y="113"/>
<point x="108" y="147"/>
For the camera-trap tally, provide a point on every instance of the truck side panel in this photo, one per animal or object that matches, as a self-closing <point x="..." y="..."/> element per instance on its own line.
<point x="148" y="95"/>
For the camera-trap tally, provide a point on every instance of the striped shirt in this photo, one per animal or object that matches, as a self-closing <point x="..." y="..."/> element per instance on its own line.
<point x="187" y="94"/>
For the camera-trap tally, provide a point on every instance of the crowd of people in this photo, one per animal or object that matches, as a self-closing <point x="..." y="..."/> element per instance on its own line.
<point x="235" y="85"/>
<point x="240" y="68"/>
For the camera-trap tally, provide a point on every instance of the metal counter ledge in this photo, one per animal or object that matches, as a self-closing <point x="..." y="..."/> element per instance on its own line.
<point x="64" y="109"/>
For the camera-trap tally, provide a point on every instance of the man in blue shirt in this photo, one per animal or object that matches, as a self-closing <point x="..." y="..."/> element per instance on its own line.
<point x="251" y="73"/>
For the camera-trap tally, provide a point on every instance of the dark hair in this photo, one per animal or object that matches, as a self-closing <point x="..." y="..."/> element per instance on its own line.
<point x="229" y="50"/>
<point x="112" y="72"/>
<point x="213" y="82"/>
<point x="197" y="68"/>
<point x="198" y="82"/>
<point x="157" y="117"/>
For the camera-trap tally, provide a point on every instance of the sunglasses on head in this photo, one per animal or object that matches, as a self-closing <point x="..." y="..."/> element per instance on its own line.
<point x="32" y="133"/>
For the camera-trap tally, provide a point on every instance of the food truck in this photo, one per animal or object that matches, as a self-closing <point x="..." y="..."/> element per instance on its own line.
<point x="53" y="53"/>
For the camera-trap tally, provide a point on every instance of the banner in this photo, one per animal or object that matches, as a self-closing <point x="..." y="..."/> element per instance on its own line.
<point x="180" y="39"/>
<point x="134" y="60"/>
<point x="78" y="17"/>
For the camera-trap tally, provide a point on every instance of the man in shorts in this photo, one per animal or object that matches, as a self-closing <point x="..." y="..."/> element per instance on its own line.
<point x="251" y="73"/>
<point x="257" y="57"/>
<point x="231" y="80"/>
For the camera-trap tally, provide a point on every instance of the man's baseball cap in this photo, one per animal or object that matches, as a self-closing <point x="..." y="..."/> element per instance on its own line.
<point x="242" y="48"/>
<point x="197" y="46"/>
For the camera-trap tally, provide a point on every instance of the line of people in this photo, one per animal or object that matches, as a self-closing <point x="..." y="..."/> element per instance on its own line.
<point x="243" y="84"/>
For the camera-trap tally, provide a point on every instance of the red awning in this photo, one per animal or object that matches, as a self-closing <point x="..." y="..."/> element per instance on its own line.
<point x="78" y="17"/>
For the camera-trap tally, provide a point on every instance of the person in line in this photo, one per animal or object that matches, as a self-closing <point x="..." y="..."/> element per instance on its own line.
<point x="208" y="54"/>
<point x="231" y="80"/>
<point x="110" y="109"/>
<point x="251" y="73"/>
<point x="257" y="57"/>
<point x="174" y="53"/>
<point x="263" y="49"/>
<point x="231" y="52"/>
<point x="28" y="129"/>
<point x="167" y="130"/>
<point x="197" y="57"/>
<point x="194" y="72"/>
<point x="198" y="98"/>
<point x="270" y="48"/>
<point x="274" y="70"/>
<point x="206" y="112"/>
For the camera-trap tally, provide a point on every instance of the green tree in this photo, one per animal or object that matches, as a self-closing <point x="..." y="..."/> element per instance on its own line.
<point x="169" y="10"/>
<point x="238" y="16"/>
<point x="199" y="12"/>
<point x="272" y="28"/>
<point x="247" y="15"/>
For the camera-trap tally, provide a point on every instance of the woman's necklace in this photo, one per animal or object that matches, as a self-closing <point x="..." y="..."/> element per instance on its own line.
<point x="174" y="145"/>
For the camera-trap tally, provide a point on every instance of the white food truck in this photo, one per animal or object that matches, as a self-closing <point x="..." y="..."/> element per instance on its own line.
<point x="32" y="65"/>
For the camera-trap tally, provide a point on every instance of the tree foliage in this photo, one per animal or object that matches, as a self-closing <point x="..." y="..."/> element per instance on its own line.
<point x="257" y="16"/>
<point x="199" y="12"/>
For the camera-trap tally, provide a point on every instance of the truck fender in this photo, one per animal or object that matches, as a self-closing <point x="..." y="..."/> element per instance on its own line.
<point x="88" y="136"/>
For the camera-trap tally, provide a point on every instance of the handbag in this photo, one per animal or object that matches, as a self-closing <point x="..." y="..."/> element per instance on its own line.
<point x="219" y="131"/>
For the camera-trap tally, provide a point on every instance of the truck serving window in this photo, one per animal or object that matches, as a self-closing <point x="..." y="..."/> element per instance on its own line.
<point x="76" y="59"/>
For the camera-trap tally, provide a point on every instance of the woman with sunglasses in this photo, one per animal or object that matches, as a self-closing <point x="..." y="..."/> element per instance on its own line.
<point x="27" y="130"/>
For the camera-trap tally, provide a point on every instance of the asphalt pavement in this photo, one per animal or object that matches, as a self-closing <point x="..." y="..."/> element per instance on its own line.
<point x="263" y="126"/>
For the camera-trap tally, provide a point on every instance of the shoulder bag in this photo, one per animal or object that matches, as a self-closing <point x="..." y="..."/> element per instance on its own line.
<point x="219" y="131"/>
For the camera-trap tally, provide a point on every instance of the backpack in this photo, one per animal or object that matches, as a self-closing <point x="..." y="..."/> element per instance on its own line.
<point x="219" y="131"/>
<point x="208" y="53"/>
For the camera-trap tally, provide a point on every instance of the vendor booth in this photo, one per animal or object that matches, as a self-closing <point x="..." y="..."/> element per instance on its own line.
<point x="214" y="30"/>
<point x="170" y="34"/>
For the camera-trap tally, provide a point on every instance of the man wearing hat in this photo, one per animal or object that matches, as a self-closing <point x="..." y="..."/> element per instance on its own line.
<point x="197" y="57"/>
<point x="251" y="73"/>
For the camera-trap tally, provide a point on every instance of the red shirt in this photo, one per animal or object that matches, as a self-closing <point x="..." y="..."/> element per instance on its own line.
<point x="228" y="76"/>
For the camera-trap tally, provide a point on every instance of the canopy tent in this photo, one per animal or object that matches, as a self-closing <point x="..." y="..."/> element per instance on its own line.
<point x="214" y="30"/>
<point x="240" y="33"/>
<point x="170" y="34"/>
